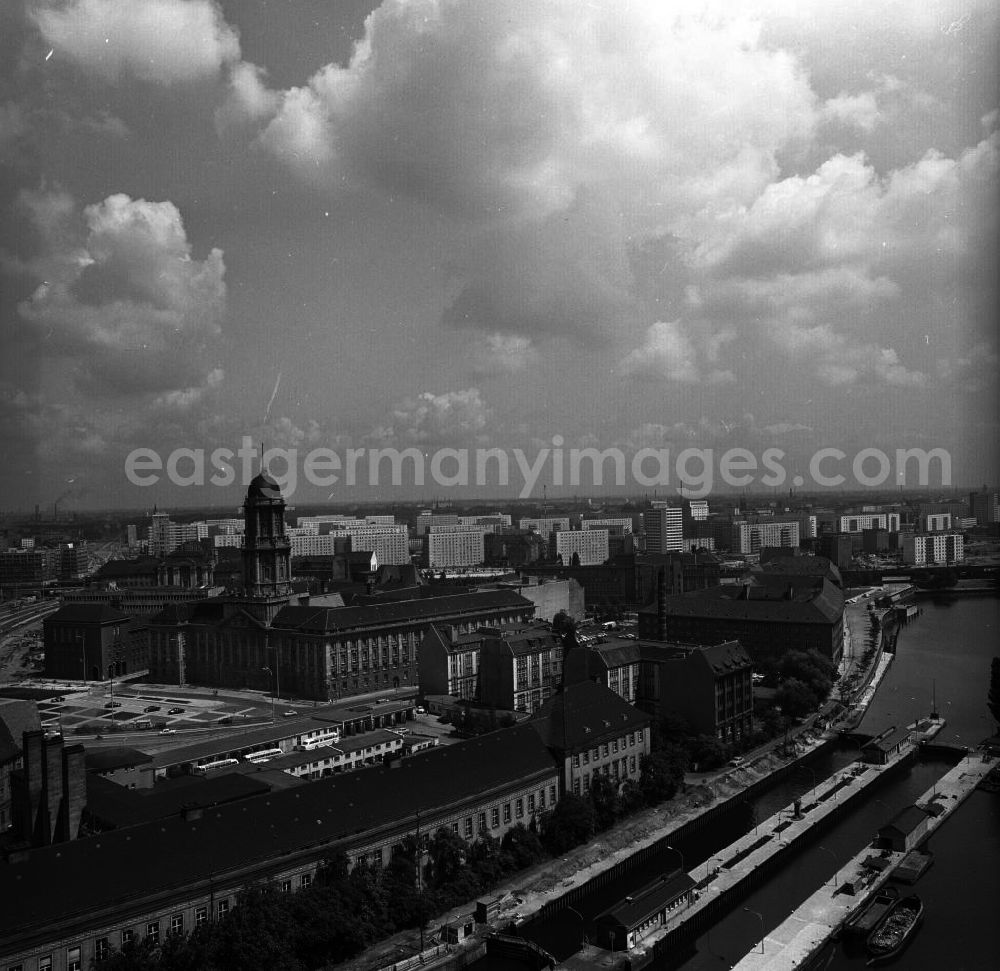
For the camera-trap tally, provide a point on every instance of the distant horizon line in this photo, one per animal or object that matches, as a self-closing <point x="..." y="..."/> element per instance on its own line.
<point x="44" y="509"/>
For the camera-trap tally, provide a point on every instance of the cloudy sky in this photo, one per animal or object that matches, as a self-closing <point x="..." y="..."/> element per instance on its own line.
<point x="472" y="223"/>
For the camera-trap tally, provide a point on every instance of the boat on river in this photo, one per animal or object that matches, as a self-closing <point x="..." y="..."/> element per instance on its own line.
<point x="896" y="930"/>
<point x="870" y="916"/>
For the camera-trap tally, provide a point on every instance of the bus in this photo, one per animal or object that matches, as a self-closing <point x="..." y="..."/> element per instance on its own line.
<point x="206" y="767"/>
<point x="263" y="755"/>
<point x="306" y="743"/>
<point x="311" y="744"/>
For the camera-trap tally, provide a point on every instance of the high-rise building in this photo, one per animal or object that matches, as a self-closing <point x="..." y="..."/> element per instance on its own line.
<point x="922" y="549"/>
<point x="620" y="527"/>
<point x="427" y="519"/>
<point x="664" y="527"/>
<point x="984" y="506"/>
<point x="454" y="549"/>
<point x="753" y="537"/>
<point x="581" y="547"/>
<point x="545" y="524"/>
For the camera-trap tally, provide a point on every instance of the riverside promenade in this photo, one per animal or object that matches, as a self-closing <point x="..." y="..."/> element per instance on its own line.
<point x="760" y="850"/>
<point x="817" y="919"/>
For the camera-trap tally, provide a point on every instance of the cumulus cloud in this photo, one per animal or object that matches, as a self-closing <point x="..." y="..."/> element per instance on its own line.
<point x="164" y="41"/>
<point x="856" y="110"/>
<point x="248" y="99"/>
<point x="503" y="354"/>
<point x="669" y="353"/>
<point x="123" y="294"/>
<point x="284" y="432"/>
<point x="558" y="134"/>
<point x="833" y="267"/>
<point x="450" y="417"/>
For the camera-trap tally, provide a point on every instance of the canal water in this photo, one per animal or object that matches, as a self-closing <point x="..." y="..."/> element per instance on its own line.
<point x="947" y="651"/>
<point x="950" y="643"/>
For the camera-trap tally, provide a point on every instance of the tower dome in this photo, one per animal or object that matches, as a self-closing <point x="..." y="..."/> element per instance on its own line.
<point x="263" y="486"/>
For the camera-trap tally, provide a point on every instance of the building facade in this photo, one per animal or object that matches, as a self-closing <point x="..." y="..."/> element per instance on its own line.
<point x="581" y="547"/>
<point x="520" y="667"/>
<point x="925" y="549"/>
<point x="769" y="617"/>
<point x="454" y="550"/>
<point x="664" y="529"/>
<point x="92" y="642"/>
<point x="592" y="732"/>
<point x="194" y="864"/>
<point x="313" y="652"/>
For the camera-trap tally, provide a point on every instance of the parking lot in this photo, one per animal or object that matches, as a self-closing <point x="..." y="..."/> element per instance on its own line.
<point x="137" y="710"/>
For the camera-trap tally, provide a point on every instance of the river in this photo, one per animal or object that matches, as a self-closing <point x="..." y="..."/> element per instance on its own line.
<point x="950" y="644"/>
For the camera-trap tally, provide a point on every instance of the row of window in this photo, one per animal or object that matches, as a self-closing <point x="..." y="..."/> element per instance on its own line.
<point x="103" y="945"/>
<point x="510" y="811"/>
<point x="607" y="749"/>
<point x="617" y="770"/>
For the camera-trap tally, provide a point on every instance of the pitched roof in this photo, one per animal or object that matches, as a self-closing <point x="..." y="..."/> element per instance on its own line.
<point x="725" y="657"/>
<point x="812" y="600"/>
<point x="84" y="613"/>
<point x="522" y="640"/>
<point x="652" y="898"/>
<point x="806" y="565"/>
<point x="584" y="713"/>
<point x="617" y="651"/>
<point x="109" y="759"/>
<point x="116" y="806"/>
<point x="906" y="820"/>
<point x="328" y="619"/>
<point x="889" y="739"/>
<point x="57" y="882"/>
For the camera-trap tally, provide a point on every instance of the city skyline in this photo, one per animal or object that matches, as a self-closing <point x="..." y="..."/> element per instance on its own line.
<point x="440" y="225"/>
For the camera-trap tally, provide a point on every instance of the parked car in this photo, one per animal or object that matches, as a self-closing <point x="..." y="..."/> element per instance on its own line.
<point x="113" y="704"/>
<point x="736" y="762"/>
<point x="420" y="710"/>
<point x="289" y="714"/>
<point x="176" y="711"/>
<point x="57" y="698"/>
<point x="168" y="731"/>
<point x="149" y="708"/>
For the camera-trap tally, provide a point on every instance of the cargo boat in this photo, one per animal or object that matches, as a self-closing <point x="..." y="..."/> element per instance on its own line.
<point x="871" y="914"/>
<point x="895" y="931"/>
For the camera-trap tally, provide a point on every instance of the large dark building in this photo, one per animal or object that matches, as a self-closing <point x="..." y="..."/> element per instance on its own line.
<point x="769" y="617"/>
<point x="91" y="642"/>
<point x="709" y="685"/>
<point x="626" y="582"/>
<point x="267" y="638"/>
<point x="313" y="651"/>
<point x="66" y="905"/>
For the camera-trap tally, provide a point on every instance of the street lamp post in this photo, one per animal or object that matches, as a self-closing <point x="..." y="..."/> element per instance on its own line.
<point x="273" y="693"/>
<point x="583" y="926"/>
<point x="680" y="854"/>
<point x="708" y="864"/>
<point x="82" y="638"/>
<point x="759" y="917"/>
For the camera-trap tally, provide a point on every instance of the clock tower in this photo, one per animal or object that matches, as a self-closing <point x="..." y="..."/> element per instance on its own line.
<point x="266" y="548"/>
